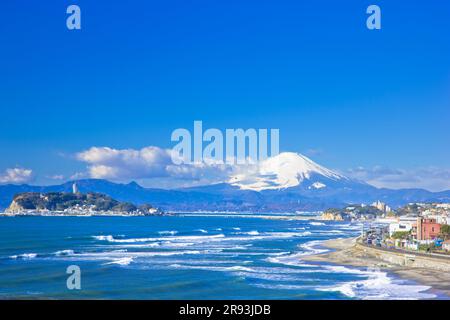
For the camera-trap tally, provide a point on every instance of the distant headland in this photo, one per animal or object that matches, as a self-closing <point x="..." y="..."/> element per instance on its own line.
<point x="74" y="203"/>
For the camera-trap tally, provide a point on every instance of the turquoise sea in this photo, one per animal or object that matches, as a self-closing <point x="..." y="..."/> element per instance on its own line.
<point x="188" y="256"/>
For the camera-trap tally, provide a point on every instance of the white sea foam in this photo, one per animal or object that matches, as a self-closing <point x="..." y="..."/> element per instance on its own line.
<point x="184" y="262"/>
<point x="122" y="261"/>
<point x="314" y="223"/>
<point x="245" y="237"/>
<point x="25" y="256"/>
<point x="251" y="233"/>
<point x="211" y="268"/>
<point x="101" y="237"/>
<point x="124" y="257"/>
<point x="64" y="252"/>
<point x="136" y="245"/>
<point x="202" y="230"/>
<point x="377" y="285"/>
<point x="111" y="238"/>
<point x="190" y="240"/>
<point x="113" y="254"/>
<point x="266" y="276"/>
<point x="294" y="259"/>
<point x="171" y="232"/>
<point x="310" y="247"/>
<point x="169" y="244"/>
<point x="283" y="286"/>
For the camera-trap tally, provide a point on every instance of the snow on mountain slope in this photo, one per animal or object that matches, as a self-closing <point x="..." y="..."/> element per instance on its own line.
<point x="286" y="170"/>
<point x="317" y="185"/>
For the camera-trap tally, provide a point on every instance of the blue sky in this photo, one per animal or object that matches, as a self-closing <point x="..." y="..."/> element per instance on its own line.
<point x="349" y="98"/>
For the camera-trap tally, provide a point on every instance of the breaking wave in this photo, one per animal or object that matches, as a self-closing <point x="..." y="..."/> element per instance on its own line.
<point x="377" y="285"/>
<point x="24" y="256"/>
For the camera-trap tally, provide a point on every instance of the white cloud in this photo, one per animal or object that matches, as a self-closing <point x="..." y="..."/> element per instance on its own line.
<point x="429" y="178"/>
<point x="16" y="176"/>
<point x="146" y="164"/>
<point x="108" y="163"/>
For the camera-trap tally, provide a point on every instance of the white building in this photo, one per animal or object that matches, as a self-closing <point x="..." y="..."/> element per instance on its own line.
<point x="396" y="227"/>
<point x="408" y="219"/>
<point x="403" y="225"/>
<point x="440" y="218"/>
<point x="75" y="188"/>
<point x="381" y="206"/>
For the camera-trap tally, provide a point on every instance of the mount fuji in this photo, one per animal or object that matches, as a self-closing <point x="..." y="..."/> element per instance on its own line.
<point x="287" y="182"/>
<point x="287" y="170"/>
<point x="291" y="181"/>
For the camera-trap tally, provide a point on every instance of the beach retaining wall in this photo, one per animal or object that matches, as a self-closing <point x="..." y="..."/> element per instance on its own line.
<point x="406" y="259"/>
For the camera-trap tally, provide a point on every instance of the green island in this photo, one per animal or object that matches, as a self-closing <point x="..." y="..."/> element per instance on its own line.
<point x="67" y="203"/>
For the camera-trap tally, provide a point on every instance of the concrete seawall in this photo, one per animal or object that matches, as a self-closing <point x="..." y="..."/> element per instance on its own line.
<point x="406" y="259"/>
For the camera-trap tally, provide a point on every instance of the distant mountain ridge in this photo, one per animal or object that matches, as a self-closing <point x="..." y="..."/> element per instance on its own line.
<point x="226" y="197"/>
<point x="286" y="182"/>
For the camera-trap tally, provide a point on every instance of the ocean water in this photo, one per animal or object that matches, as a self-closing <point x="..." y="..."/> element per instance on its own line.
<point x="190" y="256"/>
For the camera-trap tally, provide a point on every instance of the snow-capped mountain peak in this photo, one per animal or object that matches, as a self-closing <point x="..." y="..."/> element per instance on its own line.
<point x="286" y="170"/>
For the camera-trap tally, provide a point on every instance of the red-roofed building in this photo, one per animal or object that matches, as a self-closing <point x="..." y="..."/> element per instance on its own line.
<point x="427" y="229"/>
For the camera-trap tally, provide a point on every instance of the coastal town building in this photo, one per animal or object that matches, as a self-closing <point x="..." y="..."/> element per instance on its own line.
<point x="400" y="227"/>
<point x="439" y="217"/>
<point x="427" y="229"/>
<point x="75" y="189"/>
<point x="381" y="206"/>
<point x="446" y="245"/>
<point x="414" y="227"/>
<point x="406" y="244"/>
<point x="437" y="211"/>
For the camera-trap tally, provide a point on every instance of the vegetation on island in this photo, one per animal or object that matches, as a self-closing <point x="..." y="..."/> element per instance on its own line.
<point x="65" y="201"/>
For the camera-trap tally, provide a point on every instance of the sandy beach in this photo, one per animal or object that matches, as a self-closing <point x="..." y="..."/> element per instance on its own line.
<point x="345" y="252"/>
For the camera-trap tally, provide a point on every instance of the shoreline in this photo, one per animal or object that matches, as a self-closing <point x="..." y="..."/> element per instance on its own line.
<point x="346" y="252"/>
